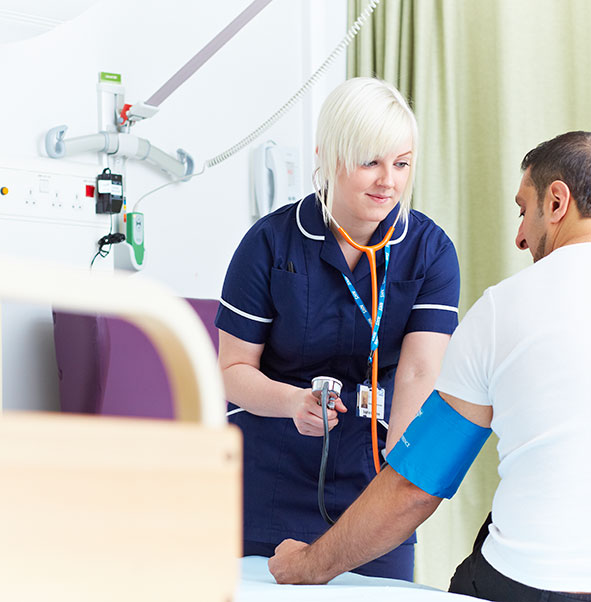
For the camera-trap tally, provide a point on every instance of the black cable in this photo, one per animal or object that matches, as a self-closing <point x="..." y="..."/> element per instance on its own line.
<point x="324" y="460"/>
<point x="96" y="255"/>
<point x="107" y="240"/>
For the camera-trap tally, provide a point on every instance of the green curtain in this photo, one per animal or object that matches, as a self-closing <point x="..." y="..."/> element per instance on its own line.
<point x="488" y="80"/>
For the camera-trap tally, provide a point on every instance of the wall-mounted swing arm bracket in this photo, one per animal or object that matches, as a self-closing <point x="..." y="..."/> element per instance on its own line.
<point x="118" y="144"/>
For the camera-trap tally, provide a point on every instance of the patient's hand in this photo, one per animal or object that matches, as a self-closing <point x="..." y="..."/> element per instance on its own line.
<point x="291" y="564"/>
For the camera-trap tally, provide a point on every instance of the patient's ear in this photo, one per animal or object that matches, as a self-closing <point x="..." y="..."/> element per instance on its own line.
<point x="559" y="199"/>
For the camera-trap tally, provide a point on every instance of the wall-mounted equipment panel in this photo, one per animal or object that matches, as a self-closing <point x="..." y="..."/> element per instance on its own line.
<point x="49" y="190"/>
<point x="48" y="210"/>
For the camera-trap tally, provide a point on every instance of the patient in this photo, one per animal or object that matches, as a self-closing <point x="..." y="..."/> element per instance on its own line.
<point x="519" y="362"/>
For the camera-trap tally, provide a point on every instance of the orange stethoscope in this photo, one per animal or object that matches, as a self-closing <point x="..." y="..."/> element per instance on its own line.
<point x="370" y="251"/>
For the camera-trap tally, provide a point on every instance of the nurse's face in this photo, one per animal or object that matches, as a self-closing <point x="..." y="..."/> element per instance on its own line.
<point x="532" y="233"/>
<point x="366" y="195"/>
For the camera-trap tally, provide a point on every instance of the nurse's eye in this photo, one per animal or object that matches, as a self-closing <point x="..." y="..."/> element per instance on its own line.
<point x="369" y="163"/>
<point x="402" y="164"/>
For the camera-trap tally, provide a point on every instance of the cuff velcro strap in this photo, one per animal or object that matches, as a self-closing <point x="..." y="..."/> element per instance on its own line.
<point x="437" y="448"/>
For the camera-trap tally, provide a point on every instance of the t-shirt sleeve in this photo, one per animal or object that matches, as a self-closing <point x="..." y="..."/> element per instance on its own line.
<point x="246" y="308"/>
<point x="469" y="357"/>
<point x="436" y="306"/>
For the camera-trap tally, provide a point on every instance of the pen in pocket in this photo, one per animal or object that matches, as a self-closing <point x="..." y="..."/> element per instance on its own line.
<point x="290" y="267"/>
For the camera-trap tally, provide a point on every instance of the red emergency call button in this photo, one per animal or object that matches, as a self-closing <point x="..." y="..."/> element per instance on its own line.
<point x="89" y="190"/>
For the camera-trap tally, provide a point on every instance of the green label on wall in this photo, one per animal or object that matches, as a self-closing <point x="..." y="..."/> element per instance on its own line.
<point x="114" y="78"/>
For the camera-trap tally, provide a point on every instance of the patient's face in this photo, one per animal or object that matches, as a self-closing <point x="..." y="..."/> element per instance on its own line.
<point x="532" y="229"/>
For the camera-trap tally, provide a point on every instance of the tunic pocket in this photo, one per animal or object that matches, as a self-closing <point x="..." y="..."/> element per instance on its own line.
<point x="289" y="292"/>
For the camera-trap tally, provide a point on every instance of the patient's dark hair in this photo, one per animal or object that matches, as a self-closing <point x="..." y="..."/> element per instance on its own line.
<point x="567" y="158"/>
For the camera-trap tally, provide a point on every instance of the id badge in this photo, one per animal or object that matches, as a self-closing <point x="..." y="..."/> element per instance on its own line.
<point x="364" y="401"/>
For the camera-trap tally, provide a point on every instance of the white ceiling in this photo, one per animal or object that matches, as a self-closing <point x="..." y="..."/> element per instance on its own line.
<point x="23" y="19"/>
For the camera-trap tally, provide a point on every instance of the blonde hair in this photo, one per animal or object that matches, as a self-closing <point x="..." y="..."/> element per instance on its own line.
<point x="362" y="119"/>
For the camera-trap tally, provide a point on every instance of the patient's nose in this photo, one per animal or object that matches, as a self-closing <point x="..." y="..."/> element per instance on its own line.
<point x="520" y="239"/>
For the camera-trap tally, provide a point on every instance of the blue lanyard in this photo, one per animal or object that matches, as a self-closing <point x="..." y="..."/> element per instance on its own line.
<point x="381" y="299"/>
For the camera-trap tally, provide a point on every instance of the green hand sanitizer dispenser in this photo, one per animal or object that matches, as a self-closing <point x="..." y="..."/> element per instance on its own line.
<point x="135" y="236"/>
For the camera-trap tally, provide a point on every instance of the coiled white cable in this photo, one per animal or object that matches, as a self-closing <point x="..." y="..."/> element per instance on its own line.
<point x="347" y="39"/>
<point x="349" y="36"/>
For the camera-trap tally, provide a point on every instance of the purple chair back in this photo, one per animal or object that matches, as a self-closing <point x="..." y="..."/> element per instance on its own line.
<point x="109" y="366"/>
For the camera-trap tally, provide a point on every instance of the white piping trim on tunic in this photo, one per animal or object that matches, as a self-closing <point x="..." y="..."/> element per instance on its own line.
<point x="322" y="237"/>
<point x="433" y="306"/>
<point x="402" y="236"/>
<point x="304" y="232"/>
<point x="244" y="314"/>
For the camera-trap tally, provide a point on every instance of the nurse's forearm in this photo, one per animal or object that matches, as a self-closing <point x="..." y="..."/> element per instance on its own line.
<point x="409" y="396"/>
<point x="249" y="388"/>
<point x="418" y="367"/>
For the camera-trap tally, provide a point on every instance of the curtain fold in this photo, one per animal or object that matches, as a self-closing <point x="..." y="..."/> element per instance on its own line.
<point x="488" y="81"/>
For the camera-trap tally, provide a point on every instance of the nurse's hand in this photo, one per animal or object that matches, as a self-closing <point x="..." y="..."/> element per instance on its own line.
<point x="307" y="413"/>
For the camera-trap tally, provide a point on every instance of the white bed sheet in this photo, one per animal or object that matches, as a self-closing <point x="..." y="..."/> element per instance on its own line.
<point x="257" y="585"/>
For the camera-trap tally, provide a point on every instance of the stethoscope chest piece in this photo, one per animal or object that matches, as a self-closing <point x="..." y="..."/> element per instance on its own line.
<point x="335" y="386"/>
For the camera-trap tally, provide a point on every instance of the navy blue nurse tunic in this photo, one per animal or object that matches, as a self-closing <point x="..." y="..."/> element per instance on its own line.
<point x="284" y="288"/>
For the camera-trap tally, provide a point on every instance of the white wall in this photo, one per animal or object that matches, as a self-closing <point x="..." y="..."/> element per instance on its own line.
<point x="191" y="228"/>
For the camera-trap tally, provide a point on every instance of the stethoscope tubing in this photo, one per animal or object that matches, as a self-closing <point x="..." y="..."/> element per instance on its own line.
<point x="370" y="251"/>
<point x="324" y="459"/>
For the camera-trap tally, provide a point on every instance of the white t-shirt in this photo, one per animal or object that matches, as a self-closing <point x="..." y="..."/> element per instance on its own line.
<point x="525" y="349"/>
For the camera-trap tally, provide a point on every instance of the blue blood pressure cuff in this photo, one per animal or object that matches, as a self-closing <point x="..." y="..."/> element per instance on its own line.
<point x="437" y="448"/>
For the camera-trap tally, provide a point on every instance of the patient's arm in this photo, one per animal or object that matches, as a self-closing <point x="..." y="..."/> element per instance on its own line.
<point x="480" y="415"/>
<point x="383" y="517"/>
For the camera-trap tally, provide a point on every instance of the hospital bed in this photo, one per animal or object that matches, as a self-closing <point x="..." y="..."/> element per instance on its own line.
<point x="257" y="585"/>
<point x="100" y="508"/>
<point x="103" y="508"/>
